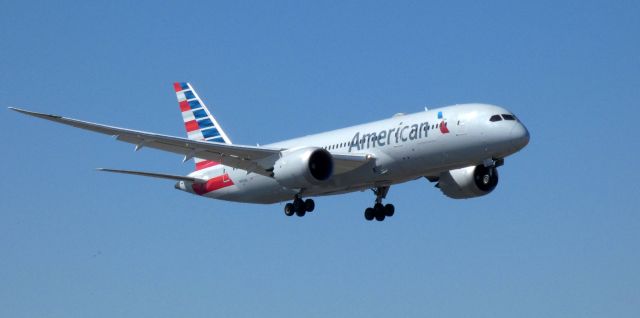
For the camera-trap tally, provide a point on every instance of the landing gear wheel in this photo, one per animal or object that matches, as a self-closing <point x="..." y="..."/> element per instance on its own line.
<point x="299" y="207"/>
<point x="379" y="211"/>
<point x="309" y="205"/>
<point x="288" y="209"/>
<point x="389" y="210"/>
<point x="369" y="214"/>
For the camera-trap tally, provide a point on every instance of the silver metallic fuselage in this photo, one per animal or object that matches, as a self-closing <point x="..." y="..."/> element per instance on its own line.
<point x="400" y="155"/>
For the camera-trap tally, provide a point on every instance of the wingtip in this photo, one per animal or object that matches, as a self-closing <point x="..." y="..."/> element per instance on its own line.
<point x="19" y="110"/>
<point x="35" y="114"/>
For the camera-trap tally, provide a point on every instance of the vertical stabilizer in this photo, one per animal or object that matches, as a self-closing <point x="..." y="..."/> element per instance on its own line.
<point x="198" y="121"/>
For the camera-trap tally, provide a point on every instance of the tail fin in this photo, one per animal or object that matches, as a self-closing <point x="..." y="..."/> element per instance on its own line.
<point x="198" y="121"/>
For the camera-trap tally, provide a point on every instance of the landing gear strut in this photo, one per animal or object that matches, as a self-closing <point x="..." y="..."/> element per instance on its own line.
<point x="299" y="207"/>
<point x="379" y="211"/>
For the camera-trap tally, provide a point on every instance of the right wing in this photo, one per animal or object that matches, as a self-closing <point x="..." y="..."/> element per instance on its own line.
<point x="249" y="158"/>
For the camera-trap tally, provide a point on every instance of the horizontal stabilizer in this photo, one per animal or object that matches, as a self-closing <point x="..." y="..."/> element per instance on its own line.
<point x="155" y="175"/>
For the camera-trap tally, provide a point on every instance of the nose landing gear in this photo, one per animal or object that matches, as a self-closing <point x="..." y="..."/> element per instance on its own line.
<point x="379" y="211"/>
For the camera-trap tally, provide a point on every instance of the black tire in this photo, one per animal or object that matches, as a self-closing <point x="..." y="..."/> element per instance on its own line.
<point x="298" y="205"/>
<point x="288" y="209"/>
<point x="389" y="210"/>
<point x="309" y="205"/>
<point x="378" y="209"/>
<point x="300" y="213"/>
<point x="369" y="214"/>
<point x="379" y="217"/>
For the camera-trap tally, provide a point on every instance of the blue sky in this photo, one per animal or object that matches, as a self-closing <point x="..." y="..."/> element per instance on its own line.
<point x="558" y="238"/>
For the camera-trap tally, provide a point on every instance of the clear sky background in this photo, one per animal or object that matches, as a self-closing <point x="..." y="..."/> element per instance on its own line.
<point x="559" y="237"/>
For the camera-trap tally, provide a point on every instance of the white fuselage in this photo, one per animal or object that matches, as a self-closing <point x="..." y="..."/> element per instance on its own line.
<point x="405" y="147"/>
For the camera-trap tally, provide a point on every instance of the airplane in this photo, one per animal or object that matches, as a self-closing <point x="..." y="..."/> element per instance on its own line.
<point x="459" y="148"/>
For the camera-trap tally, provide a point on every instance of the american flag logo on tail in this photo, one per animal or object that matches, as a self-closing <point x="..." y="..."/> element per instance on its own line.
<point x="198" y="121"/>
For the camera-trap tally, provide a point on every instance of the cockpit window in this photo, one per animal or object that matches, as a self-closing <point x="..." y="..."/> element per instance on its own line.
<point x="495" y="118"/>
<point x="508" y="117"/>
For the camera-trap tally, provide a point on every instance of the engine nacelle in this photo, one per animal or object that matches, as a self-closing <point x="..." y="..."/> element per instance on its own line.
<point x="468" y="182"/>
<point x="304" y="167"/>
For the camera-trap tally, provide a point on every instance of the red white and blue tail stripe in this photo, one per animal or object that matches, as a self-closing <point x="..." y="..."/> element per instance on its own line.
<point x="198" y="121"/>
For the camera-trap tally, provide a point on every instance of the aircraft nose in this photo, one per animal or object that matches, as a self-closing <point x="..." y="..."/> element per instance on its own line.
<point x="519" y="136"/>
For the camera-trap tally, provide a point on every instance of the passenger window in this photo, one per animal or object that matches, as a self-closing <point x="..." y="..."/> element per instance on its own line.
<point x="508" y="117"/>
<point x="495" y="118"/>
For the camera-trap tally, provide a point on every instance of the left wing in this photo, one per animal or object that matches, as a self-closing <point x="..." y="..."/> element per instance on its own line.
<point x="259" y="160"/>
<point x="249" y="158"/>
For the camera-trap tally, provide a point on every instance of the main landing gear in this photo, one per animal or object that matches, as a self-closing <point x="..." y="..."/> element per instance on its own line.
<point x="299" y="207"/>
<point x="379" y="211"/>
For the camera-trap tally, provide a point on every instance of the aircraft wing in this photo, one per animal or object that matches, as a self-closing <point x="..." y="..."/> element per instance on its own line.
<point x="259" y="160"/>
<point x="250" y="158"/>
<point x="346" y="162"/>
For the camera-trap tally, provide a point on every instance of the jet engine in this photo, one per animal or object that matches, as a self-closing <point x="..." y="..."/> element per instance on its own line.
<point x="468" y="182"/>
<point x="301" y="168"/>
